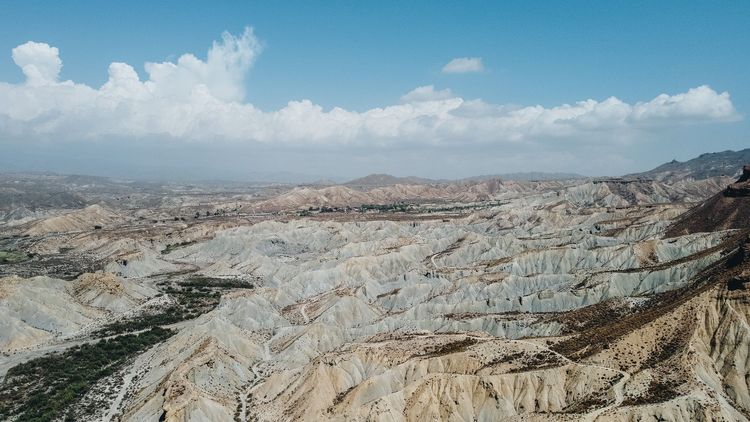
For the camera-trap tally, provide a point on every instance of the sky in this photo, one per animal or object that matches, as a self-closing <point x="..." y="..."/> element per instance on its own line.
<point x="339" y="89"/>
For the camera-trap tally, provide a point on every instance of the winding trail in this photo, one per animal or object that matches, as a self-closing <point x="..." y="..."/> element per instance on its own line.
<point x="258" y="377"/>
<point x="127" y="380"/>
<point x="244" y="395"/>
<point x="304" y="313"/>
<point x="434" y="264"/>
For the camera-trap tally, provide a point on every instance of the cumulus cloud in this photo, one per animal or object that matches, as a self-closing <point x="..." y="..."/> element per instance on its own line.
<point x="197" y="100"/>
<point x="39" y="62"/>
<point x="221" y="75"/>
<point x="700" y="103"/>
<point x="464" y="65"/>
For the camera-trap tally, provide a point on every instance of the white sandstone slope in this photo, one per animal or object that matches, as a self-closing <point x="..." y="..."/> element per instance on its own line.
<point x="109" y="292"/>
<point x="38" y="310"/>
<point x="75" y="221"/>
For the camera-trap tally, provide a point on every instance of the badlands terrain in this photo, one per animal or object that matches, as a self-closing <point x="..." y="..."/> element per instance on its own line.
<point x="622" y="299"/>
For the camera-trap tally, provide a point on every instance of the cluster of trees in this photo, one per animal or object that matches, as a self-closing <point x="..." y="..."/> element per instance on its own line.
<point x="205" y="284"/>
<point x="47" y="388"/>
<point x="172" y="246"/>
<point x="312" y="210"/>
<point x="396" y="207"/>
<point x="455" y="208"/>
<point x="218" y="212"/>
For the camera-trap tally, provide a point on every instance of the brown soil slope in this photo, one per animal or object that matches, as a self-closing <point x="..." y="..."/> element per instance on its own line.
<point x="728" y="209"/>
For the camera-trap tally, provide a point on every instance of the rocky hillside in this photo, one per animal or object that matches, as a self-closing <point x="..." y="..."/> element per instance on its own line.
<point x="725" y="163"/>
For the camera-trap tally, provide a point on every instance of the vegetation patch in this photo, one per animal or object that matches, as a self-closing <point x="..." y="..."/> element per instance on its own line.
<point x="399" y="207"/>
<point x="391" y="293"/>
<point x="667" y="348"/>
<point x="173" y="246"/>
<point x="47" y="388"/>
<point x="498" y="360"/>
<point x="209" y="283"/>
<point x="467" y="207"/>
<point x="538" y="361"/>
<point x="586" y="405"/>
<point x="12" y="257"/>
<point x="189" y="304"/>
<point x="448" y="348"/>
<point x="659" y="391"/>
<point x="342" y="395"/>
<point x="592" y="316"/>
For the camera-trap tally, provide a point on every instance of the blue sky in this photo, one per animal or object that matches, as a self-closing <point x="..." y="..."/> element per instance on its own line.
<point x="364" y="55"/>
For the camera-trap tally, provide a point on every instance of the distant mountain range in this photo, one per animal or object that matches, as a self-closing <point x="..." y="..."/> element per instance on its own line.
<point x="378" y="179"/>
<point x="526" y="176"/>
<point x="725" y="163"/>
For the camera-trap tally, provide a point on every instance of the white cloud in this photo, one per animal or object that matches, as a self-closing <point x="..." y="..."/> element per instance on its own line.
<point x="426" y="93"/>
<point x="701" y="103"/>
<point x="221" y="75"/>
<point x="202" y="101"/>
<point x="464" y="65"/>
<point x="39" y="62"/>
